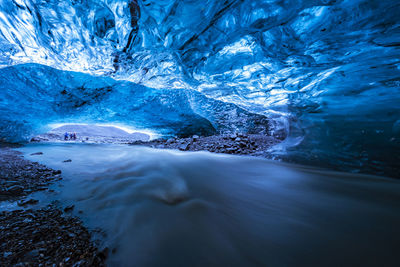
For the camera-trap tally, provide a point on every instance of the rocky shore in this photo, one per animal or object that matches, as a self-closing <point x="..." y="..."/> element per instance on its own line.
<point x="44" y="236"/>
<point x="240" y="144"/>
<point x="20" y="177"/>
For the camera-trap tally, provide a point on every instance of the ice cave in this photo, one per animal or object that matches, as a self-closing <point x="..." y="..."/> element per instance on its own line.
<point x="199" y="133"/>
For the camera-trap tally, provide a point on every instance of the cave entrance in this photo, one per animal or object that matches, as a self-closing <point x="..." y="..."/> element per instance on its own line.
<point x="93" y="133"/>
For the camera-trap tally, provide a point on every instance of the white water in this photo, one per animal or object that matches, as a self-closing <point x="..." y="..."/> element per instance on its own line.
<point x="168" y="208"/>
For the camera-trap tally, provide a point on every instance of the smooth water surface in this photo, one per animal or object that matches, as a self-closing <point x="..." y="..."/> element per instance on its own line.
<point x="169" y="208"/>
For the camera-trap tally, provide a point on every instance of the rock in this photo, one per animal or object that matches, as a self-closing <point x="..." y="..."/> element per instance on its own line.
<point x="69" y="208"/>
<point x="103" y="254"/>
<point x="15" y="189"/>
<point x="68" y="160"/>
<point x="38" y="236"/>
<point x="79" y="263"/>
<point x="6" y="254"/>
<point x="10" y="183"/>
<point x="37" y="153"/>
<point x="246" y="144"/>
<point x="231" y="149"/>
<point x="38" y="139"/>
<point x="183" y="147"/>
<point x="32" y="254"/>
<point x="27" y="202"/>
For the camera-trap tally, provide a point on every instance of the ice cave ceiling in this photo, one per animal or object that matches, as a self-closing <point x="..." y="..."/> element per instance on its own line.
<point x="323" y="73"/>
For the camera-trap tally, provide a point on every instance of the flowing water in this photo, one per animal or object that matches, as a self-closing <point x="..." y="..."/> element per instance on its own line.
<point x="169" y="208"/>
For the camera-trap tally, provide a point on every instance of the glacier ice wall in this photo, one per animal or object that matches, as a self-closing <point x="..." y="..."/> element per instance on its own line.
<point x="33" y="96"/>
<point x="327" y="72"/>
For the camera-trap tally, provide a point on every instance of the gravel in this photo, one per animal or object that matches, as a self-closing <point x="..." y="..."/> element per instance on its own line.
<point x="45" y="236"/>
<point x="239" y="144"/>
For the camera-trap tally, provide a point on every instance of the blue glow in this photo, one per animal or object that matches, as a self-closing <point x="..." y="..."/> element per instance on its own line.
<point x="324" y="72"/>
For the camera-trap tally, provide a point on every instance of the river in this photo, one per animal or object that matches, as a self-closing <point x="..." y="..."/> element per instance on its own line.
<point x="169" y="208"/>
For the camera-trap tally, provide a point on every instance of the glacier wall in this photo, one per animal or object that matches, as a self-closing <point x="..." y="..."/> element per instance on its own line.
<point x="326" y="72"/>
<point x="33" y="96"/>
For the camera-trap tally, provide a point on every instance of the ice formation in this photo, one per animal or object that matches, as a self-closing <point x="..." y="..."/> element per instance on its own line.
<point x="324" y="72"/>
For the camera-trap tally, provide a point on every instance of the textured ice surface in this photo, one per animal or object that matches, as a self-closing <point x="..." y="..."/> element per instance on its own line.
<point x="33" y="96"/>
<point x="326" y="71"/>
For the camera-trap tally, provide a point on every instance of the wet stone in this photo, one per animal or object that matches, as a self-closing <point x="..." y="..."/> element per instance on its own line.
<point x="183" y="146"/>
<point x="233" y="136"/>
<point x="44" y="237"/>
<point x="69" y="208"/>
<point x="15" y="189"/>
<point x="39" y="237"/>
<point x="28" y="202"/>
<point x="237" y="143"/>
<point x="20" y="177"/>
